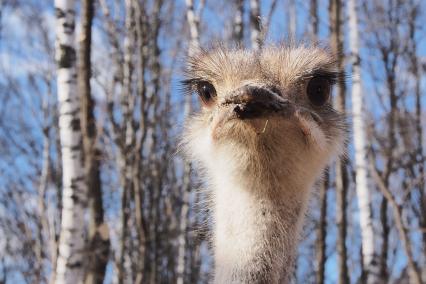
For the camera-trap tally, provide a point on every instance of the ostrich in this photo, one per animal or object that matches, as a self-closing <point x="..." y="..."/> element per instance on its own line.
<point x="264" y="134"/>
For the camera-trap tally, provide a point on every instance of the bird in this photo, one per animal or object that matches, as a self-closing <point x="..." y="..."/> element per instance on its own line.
<point x="265" y="131"/>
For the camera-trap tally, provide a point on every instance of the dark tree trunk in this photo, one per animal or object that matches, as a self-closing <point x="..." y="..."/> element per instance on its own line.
<point x="335" y="13"/>
<point x="313" y="13"/>
<point x="321" y="245"/>
<point x="98" y="242"/>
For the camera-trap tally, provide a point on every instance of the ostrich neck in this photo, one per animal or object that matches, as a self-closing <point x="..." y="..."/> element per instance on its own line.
<point x="257" y="225"/>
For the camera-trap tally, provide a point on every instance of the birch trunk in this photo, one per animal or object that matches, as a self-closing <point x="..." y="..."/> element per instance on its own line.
<point x="360" y="144"/>
<point x="57" y="177"/>
<point x="255" y="25"/>
<point x="238" y="28"/>
<point x="192" y="19"/>
<point x="126" y="150"/>
<point x="71" y="241"/>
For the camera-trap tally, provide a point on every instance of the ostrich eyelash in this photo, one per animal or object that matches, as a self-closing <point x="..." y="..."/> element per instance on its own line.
<point x="333" y="76"/>
<point x="189" y="85"/>
<point x="191" y="82"/>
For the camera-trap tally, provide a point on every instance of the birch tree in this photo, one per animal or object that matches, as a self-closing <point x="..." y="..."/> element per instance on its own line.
<point x="193" y="23"/>
<point x="126" y="154"/>
<point x="255" y="25"/>
<point x="71" y="241"/>
<point x="238" y="25"/>
<point x="360" y="145"/>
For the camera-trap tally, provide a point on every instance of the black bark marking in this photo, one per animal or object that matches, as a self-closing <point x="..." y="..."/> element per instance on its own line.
<point x="75" y="124"/>
<point x="67" y="56"/>
<point x="69" y="27"/>
<point x="71" y="113"/>
<point x="59" y="13"/>
<point x="75" y="148"/>
<point x="75" y="199"/>
<point x="74" y="265"/>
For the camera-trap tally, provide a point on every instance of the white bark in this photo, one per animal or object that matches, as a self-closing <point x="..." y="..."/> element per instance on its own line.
<point x="193" y="20"/>
<point x="255" y="29"/>
<point x="360" y="143"/>
<point x="125" y="156"/>
<point x="71" y="242"/>
<point x="238" y="28"/>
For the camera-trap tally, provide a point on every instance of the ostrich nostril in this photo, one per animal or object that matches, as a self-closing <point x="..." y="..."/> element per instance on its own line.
<point x="242" y="111"/>
<point x="238" y="109"/>
<point x="247" y="110"/>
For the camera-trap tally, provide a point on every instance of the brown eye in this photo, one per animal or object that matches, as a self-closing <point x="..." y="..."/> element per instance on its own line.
<point x="318" y="91"/>
<point x="207" y="92"/>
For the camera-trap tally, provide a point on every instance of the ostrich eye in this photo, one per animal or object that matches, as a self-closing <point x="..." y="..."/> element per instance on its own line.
<point x="207" y="92"/>
<point x="318" y="91"/>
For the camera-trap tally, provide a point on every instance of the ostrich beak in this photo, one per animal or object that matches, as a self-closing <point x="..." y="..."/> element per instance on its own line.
<point x="254" y="102"/>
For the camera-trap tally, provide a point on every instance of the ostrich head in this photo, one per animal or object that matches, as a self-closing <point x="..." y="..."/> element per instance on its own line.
<point x="265" y="132"/>
<point x="268" y="111"/>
